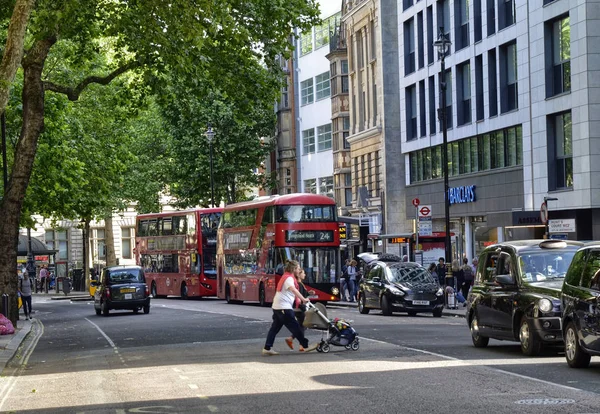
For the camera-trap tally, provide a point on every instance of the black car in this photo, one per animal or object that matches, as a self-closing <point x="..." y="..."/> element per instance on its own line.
<point x="121" y="287"/>
<point x="580" y="298"/>
<point x="516" y="293"/>
<point x="392" y="285"/>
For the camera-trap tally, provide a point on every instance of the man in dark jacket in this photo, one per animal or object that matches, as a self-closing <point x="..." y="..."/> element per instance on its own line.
<point x="441" y="271"/>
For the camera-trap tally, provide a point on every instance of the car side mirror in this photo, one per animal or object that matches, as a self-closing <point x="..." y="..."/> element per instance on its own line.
<point x="505" y="279"/>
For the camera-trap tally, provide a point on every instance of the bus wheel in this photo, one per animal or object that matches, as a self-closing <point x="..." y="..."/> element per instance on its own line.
<point x="228" y="294"/>
<point x="262" y="296"/>
<point x="184" y="291"/>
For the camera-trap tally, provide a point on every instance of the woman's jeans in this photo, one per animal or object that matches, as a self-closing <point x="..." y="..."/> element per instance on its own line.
<point x="352" y="289"/>
<point x="287" y="318"/>
<point x="26" y="304"/>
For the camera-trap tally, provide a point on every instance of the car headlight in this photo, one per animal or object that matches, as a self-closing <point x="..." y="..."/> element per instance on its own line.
<point x="395" y="291"/>
<point x="440" y="292"/>
<point x="545" y="305"/>
<point x="335" y="291"/>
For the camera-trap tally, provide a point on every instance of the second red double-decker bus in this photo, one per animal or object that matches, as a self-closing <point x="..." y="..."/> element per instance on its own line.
<point x="258" y="237"/>
<point x="178" y="251"/>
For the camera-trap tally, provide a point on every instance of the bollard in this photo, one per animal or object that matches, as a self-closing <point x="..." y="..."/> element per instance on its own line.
<point x="5" y="307"/>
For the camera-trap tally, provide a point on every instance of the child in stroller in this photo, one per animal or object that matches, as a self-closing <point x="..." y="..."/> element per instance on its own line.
<point x="339" y="331"/>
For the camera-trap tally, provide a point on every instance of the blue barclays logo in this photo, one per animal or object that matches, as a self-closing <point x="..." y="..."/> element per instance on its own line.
<point x="464" y="194"/>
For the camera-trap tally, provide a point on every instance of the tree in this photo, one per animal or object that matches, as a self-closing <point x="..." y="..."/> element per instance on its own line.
<point x="201" y="39"/>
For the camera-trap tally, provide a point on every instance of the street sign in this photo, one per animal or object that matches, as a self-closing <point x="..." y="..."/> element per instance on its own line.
<point x="561" y="226"/>
<point x="544" y="213"/>
<point x="416" y="202"/>
<point x="559" y="236"/>
<point x="425" y="212"/>
<point x="425" y="228"/>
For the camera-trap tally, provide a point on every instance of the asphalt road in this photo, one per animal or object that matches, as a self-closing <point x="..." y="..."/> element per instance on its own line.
<point x="204" y="356"/>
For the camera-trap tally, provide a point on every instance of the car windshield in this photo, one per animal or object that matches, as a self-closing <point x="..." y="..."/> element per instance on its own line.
<point x="409" y="275"/>
<point x="125" y="276"/>
<point x="539" y="266"/>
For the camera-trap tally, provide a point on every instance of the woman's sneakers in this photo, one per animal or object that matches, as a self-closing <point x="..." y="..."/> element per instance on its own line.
<point x="269" y="352"/>
<point x="290" y="342"/>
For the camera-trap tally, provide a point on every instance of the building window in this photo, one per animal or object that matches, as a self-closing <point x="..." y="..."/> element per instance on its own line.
<point x="448" y="94"/>
<point x="326" y="186"/>
<point x="560" y="148"/>
<point x="506" y="13"/>
<point x="430" y="38"/>
<point x="63" y="245"/>
<point x="406" y="4"/>
<point x="491" y="17"/>
<point x="348" y="189"/>
<point x="409" y="46"/>
<point x="49" y="237"/>
<point x="322" y="86"/>
<point x="420" y="41"/>
<point x="306" y="45"/>
<point x="479" y="87"/>
<point x="101" y="244"/>
<point x="559" y="80"/>
<point x="498" y="149"/>
<point x="411" y="113"/>
<point x="432" y="108"/>
<point x="308" y="141"/>
<point x="422" y="110"/>
<point x="477" y="24"/>
<point x="344" y="67"/>
<point x="464" y="93"/>
<point x="322" y="34"/>
<point x="360" y="57"/>
<point x="310" y="186"/>
<point x="324" y="137"/>
<point x="443" y="17"/>
<point x="461" y="23"/>
<point x="508" y="78"/>
<point x="493" y="82"/>
<point x="346" y="131"/>
<point x="127" y="242"/>
<point x="306" y="91"/>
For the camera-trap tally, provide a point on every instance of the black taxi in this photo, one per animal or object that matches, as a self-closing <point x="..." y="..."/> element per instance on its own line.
<point x="516" y="293"/>
<point x="121" y="287"/>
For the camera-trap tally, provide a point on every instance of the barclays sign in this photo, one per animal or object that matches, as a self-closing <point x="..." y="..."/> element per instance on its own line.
<point x="464" y="194"/>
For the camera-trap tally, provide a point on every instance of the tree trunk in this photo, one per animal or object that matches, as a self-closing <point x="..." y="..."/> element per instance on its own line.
<point x="86" y="254"/>
<point x="109" y="242"/>
<point x="10" y="208"/>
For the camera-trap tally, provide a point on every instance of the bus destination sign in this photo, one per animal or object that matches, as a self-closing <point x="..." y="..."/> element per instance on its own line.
<point x="324" y="236"/>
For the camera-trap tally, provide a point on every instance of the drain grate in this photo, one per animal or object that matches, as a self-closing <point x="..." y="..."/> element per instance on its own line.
<point x="546" y="401"/>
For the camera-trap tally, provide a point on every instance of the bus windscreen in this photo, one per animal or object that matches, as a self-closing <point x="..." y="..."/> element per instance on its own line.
<point x="305" y="214"/>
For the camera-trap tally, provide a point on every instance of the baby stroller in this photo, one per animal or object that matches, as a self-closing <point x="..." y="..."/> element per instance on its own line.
<point x="339" y="332"/>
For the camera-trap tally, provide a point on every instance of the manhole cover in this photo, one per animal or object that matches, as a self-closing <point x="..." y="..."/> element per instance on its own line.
<point x="545" y="401"/>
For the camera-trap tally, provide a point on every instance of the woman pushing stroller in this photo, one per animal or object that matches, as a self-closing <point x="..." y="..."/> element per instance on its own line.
<point x="283" y="310"/>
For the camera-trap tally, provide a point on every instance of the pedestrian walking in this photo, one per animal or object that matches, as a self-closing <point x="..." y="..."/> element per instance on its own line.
<point x="344" y="281"/>
<point x="468" y="277"/>
<point x="474" y="266"/>
<point x="283" y="310"/>
<point x="25" y="287"/>
<point x="352" y="277"/>
<point x="44" y="279"/>
<point x="299" y="308"/>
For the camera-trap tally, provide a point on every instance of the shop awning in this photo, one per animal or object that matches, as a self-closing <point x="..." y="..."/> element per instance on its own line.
<point x="38" y="248"/>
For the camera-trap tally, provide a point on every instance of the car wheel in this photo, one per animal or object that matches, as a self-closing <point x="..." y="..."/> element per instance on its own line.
<point x="146" y="309"/>
<point x="478" y="340"/>
<point x="98" y="311"/>
<point x="385" y="306"/>
<point x="576" y="357"/>
<point x="262" y="296"/>
<point x="530" y="344"/>
<point x="184" y="291"/>
<point x="362" y="307"/>
<point x="437" y="313"/>
<point x="228" y="294"/>
<point x="104" y="308"/>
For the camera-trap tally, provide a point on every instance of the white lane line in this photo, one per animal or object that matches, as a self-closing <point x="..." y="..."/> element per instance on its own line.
<point x="193" y="386"/>
<point x="110" y="342"/>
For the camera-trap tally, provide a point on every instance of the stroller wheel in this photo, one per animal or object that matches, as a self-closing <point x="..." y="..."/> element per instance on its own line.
<point x="355" y="345"/>
<point x="325" y="348"/>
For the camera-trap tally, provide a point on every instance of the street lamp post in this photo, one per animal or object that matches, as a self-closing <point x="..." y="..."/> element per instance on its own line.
<point x="210" y="135"/>
<point x="546" y="199"/>
<point x="443" y="46"/>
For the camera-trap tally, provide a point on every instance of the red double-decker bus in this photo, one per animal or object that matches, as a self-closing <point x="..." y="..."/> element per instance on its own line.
<point x="258" y="237"/>
<point x="178" y="251"/>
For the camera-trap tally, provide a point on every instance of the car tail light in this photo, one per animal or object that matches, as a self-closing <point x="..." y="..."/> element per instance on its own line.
<point x="146" y="291"/>
<point x="107" y="293"/>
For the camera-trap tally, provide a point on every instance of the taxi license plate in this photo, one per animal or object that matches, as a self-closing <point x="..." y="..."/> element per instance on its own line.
<point x="129" y="296"/>
<point x="128" y="290"/>
<point x="420" y="302"/>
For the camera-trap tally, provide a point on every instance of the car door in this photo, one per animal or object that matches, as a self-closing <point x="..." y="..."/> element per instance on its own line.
<point x="502" y="296"/>
<point x="373" y="285"/>
<point x="482" y="299"/>
<point x="588" y="308"/>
